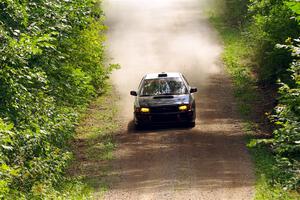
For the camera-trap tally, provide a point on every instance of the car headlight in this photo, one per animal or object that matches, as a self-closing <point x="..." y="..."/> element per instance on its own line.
<point x="145" y="110"/>
<point x="183" y="108"/>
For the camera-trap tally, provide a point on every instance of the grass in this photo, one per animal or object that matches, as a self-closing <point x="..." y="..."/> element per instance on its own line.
<point x="237" y="61"/>
<point x="94" y="143"/>
<point x="69" y="189"/>
<point x="265" y="172"/>
<point x="238" y="64"/>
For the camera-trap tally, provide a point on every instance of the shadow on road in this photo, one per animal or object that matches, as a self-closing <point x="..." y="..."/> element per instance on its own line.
<point x="131" y="129"/>
<point x="180" y="158"/>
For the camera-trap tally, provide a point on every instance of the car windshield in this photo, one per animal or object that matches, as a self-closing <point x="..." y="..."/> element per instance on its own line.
<point x="165" y="86"/>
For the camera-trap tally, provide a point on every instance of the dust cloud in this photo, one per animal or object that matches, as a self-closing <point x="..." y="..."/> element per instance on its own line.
<point x="159" y="35"/>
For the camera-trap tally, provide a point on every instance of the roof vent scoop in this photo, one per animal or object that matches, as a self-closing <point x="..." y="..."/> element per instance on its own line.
<point x="163" y="74"/>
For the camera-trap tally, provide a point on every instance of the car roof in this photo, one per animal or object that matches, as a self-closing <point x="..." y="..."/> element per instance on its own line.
<point x="163" y="75"/>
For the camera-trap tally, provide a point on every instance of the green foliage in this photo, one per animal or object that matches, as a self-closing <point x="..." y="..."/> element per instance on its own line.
<point x="265" y="23"/>
<point x="272" y="23"/>
<point x="267" y="173"/>
<point x="235" y="12"/>
<point x="268" y="23"/>
<point x="51" y="64"/>
<point x="286" y="142"/>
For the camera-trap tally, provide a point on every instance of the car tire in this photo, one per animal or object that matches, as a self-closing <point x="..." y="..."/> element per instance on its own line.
<point x="138" y="127"/>
<point x="191" y="124"/>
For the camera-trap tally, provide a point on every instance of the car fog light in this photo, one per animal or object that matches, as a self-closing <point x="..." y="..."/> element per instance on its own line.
<point x="183" y="108"/>
<point x="145" y="110"/>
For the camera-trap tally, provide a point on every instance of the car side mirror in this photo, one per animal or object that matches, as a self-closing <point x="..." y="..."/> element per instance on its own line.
<point x="193" y="90"/>
<point x="133" y="93"/>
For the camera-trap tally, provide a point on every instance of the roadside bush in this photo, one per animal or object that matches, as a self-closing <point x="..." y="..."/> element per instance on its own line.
<point x="51" y="65"/>
<point x="262" y="25"/>
<point x="236" y="12"/>
<point x="272" y="23"/>
<point x="286" y="142"/>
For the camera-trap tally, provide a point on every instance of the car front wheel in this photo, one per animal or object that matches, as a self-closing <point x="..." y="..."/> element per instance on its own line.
<point x="191" y="124"/>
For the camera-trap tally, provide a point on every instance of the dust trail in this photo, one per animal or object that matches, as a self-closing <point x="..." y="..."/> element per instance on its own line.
<point x="207" y="162"/>
<point x="159" y="35"/>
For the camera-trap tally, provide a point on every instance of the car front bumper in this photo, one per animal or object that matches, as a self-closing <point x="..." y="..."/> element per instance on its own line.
<point x="163" y="118"/>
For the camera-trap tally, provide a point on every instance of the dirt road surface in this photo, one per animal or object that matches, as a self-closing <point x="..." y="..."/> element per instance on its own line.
<point x="207" y="162"/>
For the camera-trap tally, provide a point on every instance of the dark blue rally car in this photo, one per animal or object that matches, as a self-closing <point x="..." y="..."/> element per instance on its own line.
<point x="164" y="98"/>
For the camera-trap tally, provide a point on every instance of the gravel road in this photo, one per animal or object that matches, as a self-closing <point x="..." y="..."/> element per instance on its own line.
<point x="207" y="162"/>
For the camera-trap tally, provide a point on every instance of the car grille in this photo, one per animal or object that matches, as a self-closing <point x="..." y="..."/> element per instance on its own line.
<point x="164" y="109"/>
<point x="164" y="118"/>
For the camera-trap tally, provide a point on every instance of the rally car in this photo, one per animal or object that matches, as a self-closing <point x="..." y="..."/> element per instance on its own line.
<point x="164" y="98"/>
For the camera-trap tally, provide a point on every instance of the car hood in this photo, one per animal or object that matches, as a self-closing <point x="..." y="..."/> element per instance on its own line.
<point x="163" y="100"/>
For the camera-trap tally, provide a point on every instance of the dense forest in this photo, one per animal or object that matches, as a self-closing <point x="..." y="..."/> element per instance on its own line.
<point x="51" y="65"/>
<point x="269" y="31"/>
